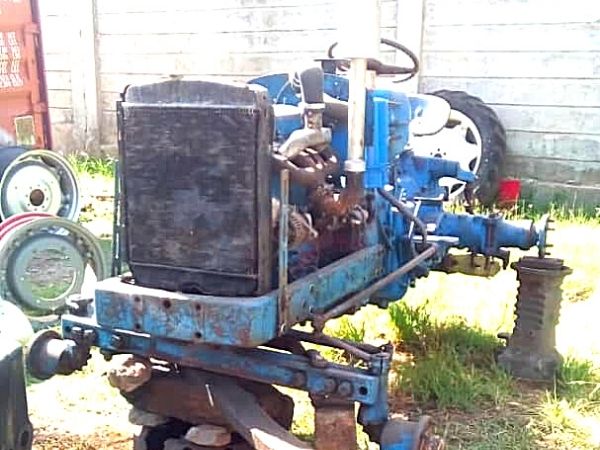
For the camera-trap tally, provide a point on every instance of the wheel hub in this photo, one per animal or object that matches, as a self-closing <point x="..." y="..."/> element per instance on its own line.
<point x="43" y="261"/>
<point x="39" y="181"/>
<point x="460" y="140"/>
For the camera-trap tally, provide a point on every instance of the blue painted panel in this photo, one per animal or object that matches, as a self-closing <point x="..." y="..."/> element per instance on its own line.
<point x="241" y="321"/>
<point x="244" y="321"/>
<point x="472" y="231"/>
<point x="261" y="365"/>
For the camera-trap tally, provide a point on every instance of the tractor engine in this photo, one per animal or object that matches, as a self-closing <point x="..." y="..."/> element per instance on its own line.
<point x="250" y="208"/>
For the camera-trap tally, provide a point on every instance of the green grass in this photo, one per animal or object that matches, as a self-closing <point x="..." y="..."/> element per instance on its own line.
<point x="561" y="211"/>
<point x="505" y="432"/>
<point x="451" y="364"/>
<point x="346" y="329"/>
<point x="85" y="165"/>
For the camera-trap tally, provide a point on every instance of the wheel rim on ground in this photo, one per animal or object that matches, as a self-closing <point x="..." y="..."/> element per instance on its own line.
<point x="39" y="181"/>
<point x="45" y="261"/>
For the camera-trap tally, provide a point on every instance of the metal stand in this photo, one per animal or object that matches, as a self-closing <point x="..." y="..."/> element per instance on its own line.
<point x="335" y="424"/>
<point x="531" y="349"/>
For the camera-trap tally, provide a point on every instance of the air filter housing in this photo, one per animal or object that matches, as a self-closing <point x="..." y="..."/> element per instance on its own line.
<point x="196" y="180"/>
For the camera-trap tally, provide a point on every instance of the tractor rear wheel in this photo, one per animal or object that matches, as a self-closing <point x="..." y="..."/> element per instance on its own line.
<point x="475" y="137"/>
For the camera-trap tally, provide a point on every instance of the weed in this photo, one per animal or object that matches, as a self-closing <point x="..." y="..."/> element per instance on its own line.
<point x="579" y="379"/>
<point x="412" y="327"/>
<point x="564" y="423"/>
<point x="344" y="328"/>
<point x="442" y="378"/>
<point x="501" y="431"/>
<point x="349" y="331"/>
<point x="417" y="332"/>
<point x="92" y="165"/>
<point x="472" y="345"/>
<point x="453" y="364"/>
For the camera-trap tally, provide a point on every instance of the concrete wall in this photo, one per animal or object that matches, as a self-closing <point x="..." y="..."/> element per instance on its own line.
<point x="93" y="49"/>
<point x="536" y="62"/>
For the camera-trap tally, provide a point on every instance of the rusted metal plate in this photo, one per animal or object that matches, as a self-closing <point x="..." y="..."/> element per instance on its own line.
<point x="186" y="395"/>
<point x="245" y="415"/>
<point x="24" y="112"/>
<point x="335" y="426"/>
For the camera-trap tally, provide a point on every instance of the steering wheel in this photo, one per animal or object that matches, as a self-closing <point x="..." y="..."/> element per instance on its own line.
<point x="381" y="68"/>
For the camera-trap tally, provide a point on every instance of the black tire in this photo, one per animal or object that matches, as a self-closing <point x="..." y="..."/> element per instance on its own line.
<point x="493" y="138"/>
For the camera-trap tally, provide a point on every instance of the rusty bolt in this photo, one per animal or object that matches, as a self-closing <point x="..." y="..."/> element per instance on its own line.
<point x="345" y="389"/>
<point x="298" y="379"/>
<point x="330" y="385"/>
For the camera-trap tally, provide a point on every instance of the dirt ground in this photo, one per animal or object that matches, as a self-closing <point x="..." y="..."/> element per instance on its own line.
<point x="80" y="412"/>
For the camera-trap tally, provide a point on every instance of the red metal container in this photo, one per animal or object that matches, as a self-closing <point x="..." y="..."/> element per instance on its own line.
<point x="23" y="103"/>
<point x="509" y="191"/>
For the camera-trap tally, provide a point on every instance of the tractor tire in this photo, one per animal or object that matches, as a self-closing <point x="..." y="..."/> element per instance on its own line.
<point x="493" y="143"/>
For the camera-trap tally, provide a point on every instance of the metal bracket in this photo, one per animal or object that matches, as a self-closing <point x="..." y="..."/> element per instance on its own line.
<point x="262" y="365"/>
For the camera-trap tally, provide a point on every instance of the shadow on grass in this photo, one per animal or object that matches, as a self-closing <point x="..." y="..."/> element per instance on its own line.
<point x="449" y="370"/>
<point x="448" y="365"/>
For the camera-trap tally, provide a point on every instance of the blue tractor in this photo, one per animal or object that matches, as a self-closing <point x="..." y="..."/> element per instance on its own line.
<point x="250" y="209"/>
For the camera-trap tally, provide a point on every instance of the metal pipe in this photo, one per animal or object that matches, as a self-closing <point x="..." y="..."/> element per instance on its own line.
<point x="405" y="212"/>
<point x="283" y="297"/>
<point x="323" y="339"/>
<point x="358" y="47"/>
<point x="358" y="298"/>
<point x="117" y="252"/>
<point x="356" y="115"/>
<point x="316" y="338"/>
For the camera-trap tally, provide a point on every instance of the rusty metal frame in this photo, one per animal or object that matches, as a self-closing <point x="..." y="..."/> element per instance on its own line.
<point x="241" y="321"/>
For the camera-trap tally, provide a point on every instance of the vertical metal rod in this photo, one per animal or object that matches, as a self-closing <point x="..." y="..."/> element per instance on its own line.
<point x="117" y="264"/>
<point x="283" y="246"/>
<point x="356" y="115"/>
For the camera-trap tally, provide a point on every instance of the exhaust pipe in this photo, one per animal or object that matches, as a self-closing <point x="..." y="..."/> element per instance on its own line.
<point x="358" y="47"/>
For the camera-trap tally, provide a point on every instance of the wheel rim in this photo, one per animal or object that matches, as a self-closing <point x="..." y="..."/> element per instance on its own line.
<point x="45" y="261"/>
<point x="39" y="181"/>
<point x="460" y="140"/>
<point x="13" y="222"/>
